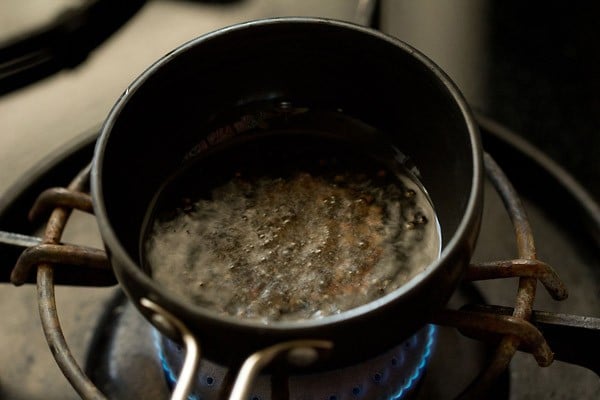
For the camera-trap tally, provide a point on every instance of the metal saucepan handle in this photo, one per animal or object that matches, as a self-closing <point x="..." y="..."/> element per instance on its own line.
<point x="167" y="322"/>
<point x="297" y="353"/>
<point x="74" y="265"/>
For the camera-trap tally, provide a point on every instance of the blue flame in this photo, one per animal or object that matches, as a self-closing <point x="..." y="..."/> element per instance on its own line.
<point x="168" y="371"/>
<point x="402" y="391"/>
<point x="415" y="377"/>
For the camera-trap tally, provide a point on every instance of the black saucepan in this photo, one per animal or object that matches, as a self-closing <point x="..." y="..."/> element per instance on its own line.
<point x="162" y="117"/>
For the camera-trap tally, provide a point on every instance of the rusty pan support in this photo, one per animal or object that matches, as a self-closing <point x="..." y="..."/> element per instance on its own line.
<point x="516" y="329"/>
<point x="47" y="301"/>
<point x="80" y="256"/>
<point x="522" y="268"/>
<point x="51" y="198"/>
<point x="507" y="325"/>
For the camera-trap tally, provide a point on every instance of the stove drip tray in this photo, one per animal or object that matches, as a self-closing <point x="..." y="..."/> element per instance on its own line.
<point x="392" y="375"/>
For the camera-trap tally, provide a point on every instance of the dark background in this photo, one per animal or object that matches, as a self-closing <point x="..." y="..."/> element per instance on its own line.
<point x="544" y="80"/>
<point x="533" y="66"/>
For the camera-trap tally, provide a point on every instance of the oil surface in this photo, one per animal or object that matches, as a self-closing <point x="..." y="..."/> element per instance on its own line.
<point x="289" y="225"/>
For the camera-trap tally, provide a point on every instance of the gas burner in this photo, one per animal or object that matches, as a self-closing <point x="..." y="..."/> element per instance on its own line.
<point x="126" y="342"/>
<point x="393" y="375"/>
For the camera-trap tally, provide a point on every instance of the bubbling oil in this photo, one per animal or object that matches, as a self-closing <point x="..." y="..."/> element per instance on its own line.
<point x="289" y="225"/>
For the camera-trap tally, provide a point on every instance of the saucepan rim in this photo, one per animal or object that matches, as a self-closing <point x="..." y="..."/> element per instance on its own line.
<point x="463" y="230"/>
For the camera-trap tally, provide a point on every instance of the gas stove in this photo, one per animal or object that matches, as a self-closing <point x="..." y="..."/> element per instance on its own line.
<point x="125" y="358"/>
